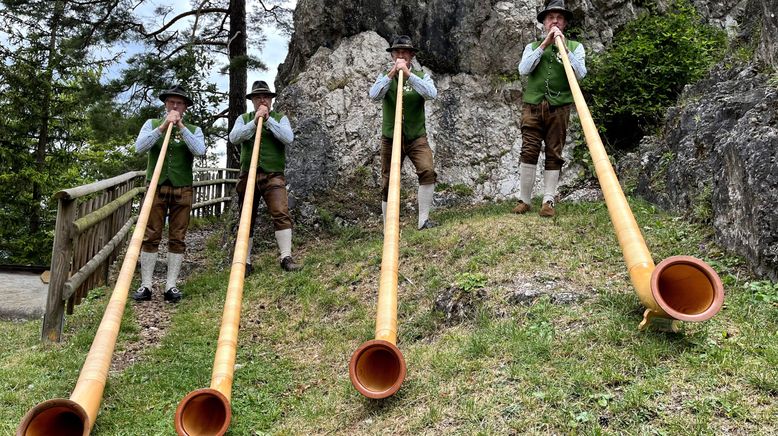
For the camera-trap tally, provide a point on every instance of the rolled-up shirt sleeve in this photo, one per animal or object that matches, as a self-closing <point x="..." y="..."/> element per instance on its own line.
<point x="195" y="142"/>
<point x="147" y="137"/>
<point x="282" y="130"/>
<point x="379" y="88"/>
<point x="529" y="59"/>
<point x="578" y="62"/>
<point x="424" y="86"/>
<point x="242" y="131"/>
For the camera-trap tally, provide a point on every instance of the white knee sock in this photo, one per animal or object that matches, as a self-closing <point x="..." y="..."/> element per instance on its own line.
<point x="284" y="240"/>
<point x="550" y="182"/>
<point x="248" y="254"/>
<point x="526" y="181"/>
<point x="147" y="263"/>
<point x="426" y="192"/>
<point x="174" y="261"/>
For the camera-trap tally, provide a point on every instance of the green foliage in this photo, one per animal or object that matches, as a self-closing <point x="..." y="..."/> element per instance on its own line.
<point x="459" y="189"/>
<point x="703" y="205"/>
<point x="462" y="190"/>
<point x="773" y="80"/>
<point x="646" y="68"/>
<point x="742" y="49"/>
<point x="471" y="281"/>
<point x="59" y="125"/>
<point x="763" y="291"/>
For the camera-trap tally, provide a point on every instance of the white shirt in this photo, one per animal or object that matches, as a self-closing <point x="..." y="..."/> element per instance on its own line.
<point x="423" y="85"/>
<point x="530" y="59"/>
<point x="148" y="136"/>
<point x="242" y="131"/>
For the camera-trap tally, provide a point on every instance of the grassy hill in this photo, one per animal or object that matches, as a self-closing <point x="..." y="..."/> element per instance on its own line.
<point x="509" y="324"/>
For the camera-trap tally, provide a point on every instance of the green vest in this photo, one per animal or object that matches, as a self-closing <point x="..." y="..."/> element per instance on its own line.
<point x="178" y="159"/>
<point x="548" y="80"/>
<point x="272" y="152"/>
<point x="413" y="123"/>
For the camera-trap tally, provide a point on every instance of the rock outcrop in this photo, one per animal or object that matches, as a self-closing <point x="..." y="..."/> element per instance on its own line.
<point x="479" y="37"/>
<point x="717" y="159"/>
<point x="473" y="125"/>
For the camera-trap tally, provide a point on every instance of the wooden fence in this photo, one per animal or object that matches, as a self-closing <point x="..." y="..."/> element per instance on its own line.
<point x="94" y="222"/>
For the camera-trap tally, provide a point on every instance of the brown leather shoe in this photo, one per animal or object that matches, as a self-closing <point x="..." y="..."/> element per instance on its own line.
<point x="547" y="210"/>
<point x="288" y="264"/>
<point x="522" y="207"/>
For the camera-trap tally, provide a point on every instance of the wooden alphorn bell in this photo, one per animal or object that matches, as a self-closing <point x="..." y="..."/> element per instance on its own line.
<point x="679" y="288"/>
<point x="207" y="411"/>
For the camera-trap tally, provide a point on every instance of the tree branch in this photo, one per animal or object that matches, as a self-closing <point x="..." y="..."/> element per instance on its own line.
<point x="212" y="118"/>
<point x="184" y="15"/>
<point x="198" y="42"/>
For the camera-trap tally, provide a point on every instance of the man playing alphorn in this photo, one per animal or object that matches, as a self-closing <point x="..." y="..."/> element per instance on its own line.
<point x="547" y="101"/>
<point x="277" y="134"/>
<point x="418" y="87"/>
<point x="173" y="199"/>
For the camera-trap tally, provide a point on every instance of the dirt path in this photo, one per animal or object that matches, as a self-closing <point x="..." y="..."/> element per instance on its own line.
<point x="155" y="316"/>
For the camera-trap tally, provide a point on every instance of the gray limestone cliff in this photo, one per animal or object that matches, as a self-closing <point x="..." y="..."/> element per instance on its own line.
<point x="717" y="158"/>
<point x="706" y="156"/>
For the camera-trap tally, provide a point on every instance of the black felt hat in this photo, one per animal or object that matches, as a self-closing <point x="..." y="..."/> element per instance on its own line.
<point x="177" y="91"/>
<point x="402" y="41"/>
<point x="555" y="6"/>
<point x="258" y="88"/>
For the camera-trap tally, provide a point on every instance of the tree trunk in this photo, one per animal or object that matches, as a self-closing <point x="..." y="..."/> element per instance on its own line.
<point x="43" y="129"/>
<point x="237" y="59"/>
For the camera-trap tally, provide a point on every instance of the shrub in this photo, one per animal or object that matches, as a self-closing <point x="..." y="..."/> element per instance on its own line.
<point x="644" y="71"/>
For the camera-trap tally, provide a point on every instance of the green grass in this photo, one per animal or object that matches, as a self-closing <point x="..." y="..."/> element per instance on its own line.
<point x="509" y="368"/>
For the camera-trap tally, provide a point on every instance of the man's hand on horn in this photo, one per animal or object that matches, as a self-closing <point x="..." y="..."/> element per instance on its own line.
<point x="262" y="112"/>
<point x="401" y="64"/>
<point x="173" y="117"/>
<point x="553" y="32"/>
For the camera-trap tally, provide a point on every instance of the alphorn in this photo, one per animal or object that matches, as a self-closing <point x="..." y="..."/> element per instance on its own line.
<point x="377" y="368"/>
<point x="680" y="288"/>
<point x="207" y="411"/>
<point x="76" y="416"/>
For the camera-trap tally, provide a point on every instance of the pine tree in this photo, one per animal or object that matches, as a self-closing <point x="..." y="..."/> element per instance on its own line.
<point x="49" y="85"/>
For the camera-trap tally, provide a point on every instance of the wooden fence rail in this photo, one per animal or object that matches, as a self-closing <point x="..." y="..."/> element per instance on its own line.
<point x="93" y="223"/>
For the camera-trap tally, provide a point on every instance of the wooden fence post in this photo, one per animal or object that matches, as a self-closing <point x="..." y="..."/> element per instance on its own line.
<point x="220" y="175"/>
<point x="61" y="256"/>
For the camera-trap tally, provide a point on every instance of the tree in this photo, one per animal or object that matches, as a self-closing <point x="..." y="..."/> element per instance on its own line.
<point x="49" y="83"/>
